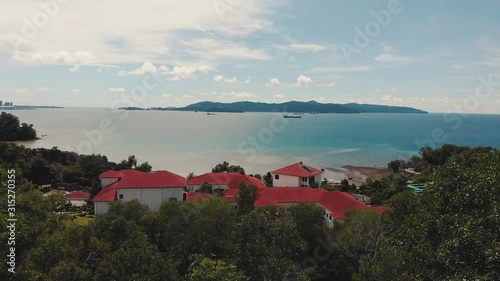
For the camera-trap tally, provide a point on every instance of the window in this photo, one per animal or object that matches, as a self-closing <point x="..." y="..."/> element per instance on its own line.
<point x="121" y="196"/>
<point x="276" y="177"/>
<point x="304" y="179"/>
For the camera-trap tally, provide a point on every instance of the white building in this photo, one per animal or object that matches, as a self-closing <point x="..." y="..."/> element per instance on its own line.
<point x="151" y="189"/>
<point x="295" y="175"/>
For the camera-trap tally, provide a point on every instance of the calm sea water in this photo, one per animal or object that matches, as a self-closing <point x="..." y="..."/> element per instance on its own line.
<point x="185" y="142"/>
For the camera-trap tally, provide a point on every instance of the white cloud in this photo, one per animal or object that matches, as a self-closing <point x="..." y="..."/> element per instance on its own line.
<point x="188" y="96"/>
<point x="328" y="85"/>
<point x="75" y="90"/>
<point x="123" y="38"/>
<point x="44" y="89"/>
<point x="163" y="69"/>
<point x="248" y="81"/>
<point x="213" y="49"/>
<point x="56" y="57"/>
<point x="21" y="91"/>
<point x="147" y="67"/>
<point x="307" y="47"/>
<point x="274" y="82"/>
<point x="184" y="72"/>
<point x="117" y="90"/>
<point x="165" y="95"/>
<point x="303" y="81"/>
<point x="240" y="94"/>
<point x="279" y="96"/>
<point x="391" y="98"/>
<point x="389" y="56"/>
<point x="220" y="78"/>
<point x="360" y="68"/>
<point x="75" y="68"/>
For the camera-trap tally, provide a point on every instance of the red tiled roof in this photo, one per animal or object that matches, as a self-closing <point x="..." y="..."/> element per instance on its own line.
<point x="212" y="178"/>
<point x="293" y="194"/>
<point x="232" y="180"/>
<point x="196" y="196"/>
<point x="158" y="179"/>
<point x="338" y="203"/>
<point x="107" y="194"/>
<point x="235" y="181"/>
<point x="262" y="201"/>
<point x="78" y="195"/>
<point x="137" y="179"/>
<point x="118" y="174"/>
<point x="298" y="170"/>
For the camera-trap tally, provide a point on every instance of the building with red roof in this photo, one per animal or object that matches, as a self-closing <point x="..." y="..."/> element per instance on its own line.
<point x="223" y="181"/>
<point x="334" y="203"/>
<point x="296" y="174"/>
<point x="150" y="189"/>
<point x="78" y="198"/>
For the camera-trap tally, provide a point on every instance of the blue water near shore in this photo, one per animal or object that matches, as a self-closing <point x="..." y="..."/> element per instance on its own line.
<point x="194" y="142"/>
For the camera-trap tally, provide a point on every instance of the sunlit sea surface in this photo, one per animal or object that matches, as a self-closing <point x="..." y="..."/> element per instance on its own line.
<point x="184" y="142"/>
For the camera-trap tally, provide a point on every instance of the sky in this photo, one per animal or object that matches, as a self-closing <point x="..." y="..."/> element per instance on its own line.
<point x="439" y="56"/>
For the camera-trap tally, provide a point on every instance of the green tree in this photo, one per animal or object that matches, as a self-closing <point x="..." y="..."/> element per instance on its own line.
<point x="206" y="269"/>
<point x="12" y="130"/>
<point x="359" y="239"/>
<point x="344" y="185"/>
<point x="268" y="179"/>
<point x="396" y="165"/>
<point x="136" y="259"/>
<point x="225" y="167"/>
<point x="451" y="231"/>
<point x="246" y="196"/>
<point x="144" y="167"/>
<point x="205" y="188"/>
<point x="264" y="245"/>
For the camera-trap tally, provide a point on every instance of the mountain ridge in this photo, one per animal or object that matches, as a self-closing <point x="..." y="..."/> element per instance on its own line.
<point x="292" y="106"/>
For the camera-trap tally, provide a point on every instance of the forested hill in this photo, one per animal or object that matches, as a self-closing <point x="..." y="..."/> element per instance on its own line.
<point x="294" y="106"/>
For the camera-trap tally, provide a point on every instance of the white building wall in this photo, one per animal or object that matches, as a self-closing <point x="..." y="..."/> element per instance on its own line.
<point x="192" y="188"/>
<point x="107" y="181"/>
<point x="285" y="180"/>
<point x="318" y="178"/>
<point x="101" y="208"/>
<point x="152" y="197"/>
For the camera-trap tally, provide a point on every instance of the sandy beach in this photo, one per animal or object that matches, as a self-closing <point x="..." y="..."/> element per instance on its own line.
<point x="356" y="175"/>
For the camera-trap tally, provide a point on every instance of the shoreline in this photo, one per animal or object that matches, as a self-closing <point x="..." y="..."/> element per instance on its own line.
<point x="357" y="175"/>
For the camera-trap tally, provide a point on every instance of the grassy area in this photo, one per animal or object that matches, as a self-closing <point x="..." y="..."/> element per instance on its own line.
<point x="79" y="221"/>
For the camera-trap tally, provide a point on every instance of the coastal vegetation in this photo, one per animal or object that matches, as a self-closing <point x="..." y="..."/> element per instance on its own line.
<point x="447" y="232"/>
<point x="13" y="130"/>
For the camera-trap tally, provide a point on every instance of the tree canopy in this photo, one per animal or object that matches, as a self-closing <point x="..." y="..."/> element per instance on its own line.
<point x="447" y="232"/>
<point x="12" y="130"/>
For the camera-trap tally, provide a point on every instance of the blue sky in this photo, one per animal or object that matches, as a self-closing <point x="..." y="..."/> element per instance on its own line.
<point x="424" y="54"/>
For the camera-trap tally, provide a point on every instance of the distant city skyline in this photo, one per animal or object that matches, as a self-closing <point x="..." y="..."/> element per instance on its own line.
<point x="436" y="56"/>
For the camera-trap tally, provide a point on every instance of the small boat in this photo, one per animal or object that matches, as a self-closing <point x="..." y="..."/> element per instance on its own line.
<point x="208" y="113"/>
<point x="292" y="116"/>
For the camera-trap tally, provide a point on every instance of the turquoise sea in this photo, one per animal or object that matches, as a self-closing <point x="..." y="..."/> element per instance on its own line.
<point x="186" y="142"/>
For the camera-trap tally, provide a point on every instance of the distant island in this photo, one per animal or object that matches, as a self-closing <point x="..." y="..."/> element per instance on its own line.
<point x="291" y="106"/>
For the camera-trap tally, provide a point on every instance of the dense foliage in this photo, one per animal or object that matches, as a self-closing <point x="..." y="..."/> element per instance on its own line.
<point x="448" y="232"/>
<point x="12" y="130"/>
<point x="61" y="169"/>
